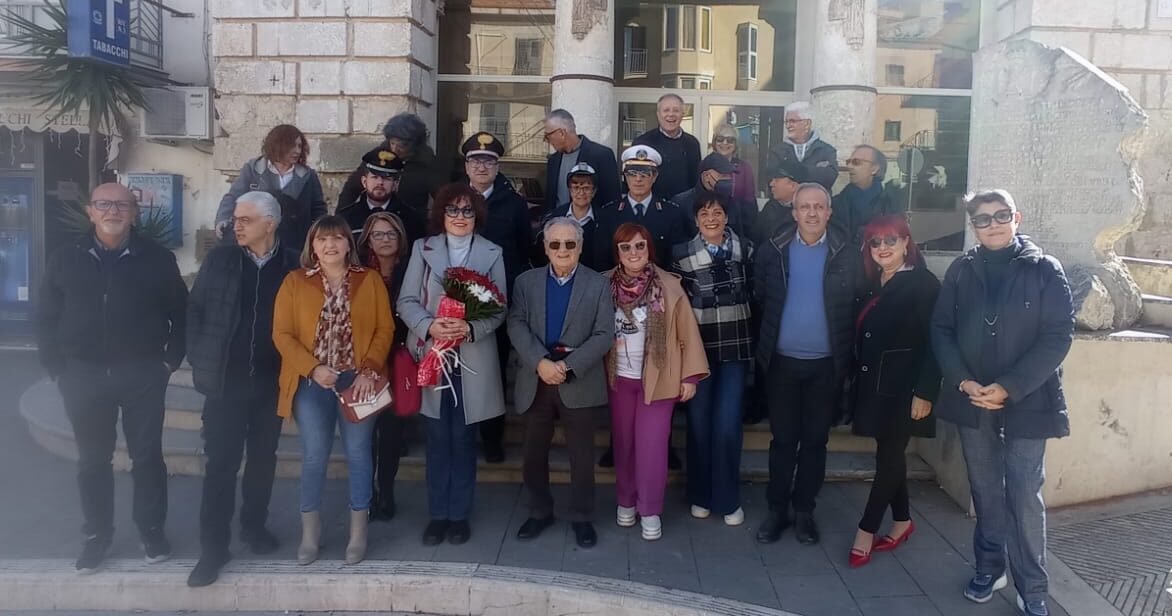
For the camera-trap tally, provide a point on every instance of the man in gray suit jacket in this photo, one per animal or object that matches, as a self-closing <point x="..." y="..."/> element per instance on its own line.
<point x="562" y="324"/>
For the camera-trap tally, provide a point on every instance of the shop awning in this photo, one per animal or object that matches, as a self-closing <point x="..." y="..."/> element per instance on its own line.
<point x="18" y="117"/>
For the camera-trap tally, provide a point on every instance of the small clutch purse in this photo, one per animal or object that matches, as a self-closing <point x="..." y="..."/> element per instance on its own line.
<point x="355" y="410"/>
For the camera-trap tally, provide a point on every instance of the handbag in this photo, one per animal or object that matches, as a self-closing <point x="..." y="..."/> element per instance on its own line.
<point x="408" y="398"/>
<point x="356" y="410"/>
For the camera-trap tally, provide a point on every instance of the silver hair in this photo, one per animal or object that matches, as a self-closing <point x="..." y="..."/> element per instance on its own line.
<point x="812" y="186"/>
<point x="664" y="97"/>
<point x="880" y="159"/>
<point x="264" y="202"/>
<point x="563" y="220"/>
<point x="803" y="110"/>
<point x="974" y="200"/>
<point x="562" y="118"/>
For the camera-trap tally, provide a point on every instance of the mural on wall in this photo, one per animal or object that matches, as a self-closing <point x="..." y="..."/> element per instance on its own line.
<point x="850" y="13"/>
<point x="586" y="15"/>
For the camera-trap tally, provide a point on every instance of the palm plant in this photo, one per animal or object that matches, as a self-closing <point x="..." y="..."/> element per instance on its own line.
<point x="68" y="85"/>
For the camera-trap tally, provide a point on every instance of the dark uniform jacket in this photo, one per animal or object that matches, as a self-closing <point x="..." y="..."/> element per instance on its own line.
<point x="1033" y="331"/>
<point x="133" y="309"/>
<point x="666" y="222"/>
<point x="214" y="309"/>
<point x="594" y="154"/>
<point x="420" y="179"/>
<point x="508" y="227"/>
<point x="680" y="169"/>
<point x="820" y="163"/>
<point x="893" y="356"/>
<point x="840" y="287"/>
<point x="359" y="210"/>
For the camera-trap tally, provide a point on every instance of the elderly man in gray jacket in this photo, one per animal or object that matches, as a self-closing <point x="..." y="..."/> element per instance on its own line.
<point x="562" y="324"/>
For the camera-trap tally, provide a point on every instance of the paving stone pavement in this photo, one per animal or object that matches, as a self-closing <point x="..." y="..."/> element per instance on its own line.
<point x="39" y="518"/>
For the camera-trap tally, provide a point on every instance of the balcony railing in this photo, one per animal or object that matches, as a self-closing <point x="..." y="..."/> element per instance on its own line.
<point x="631" y="129"/>
<point x="146" y="29"/>
<point x="635" y="63"/>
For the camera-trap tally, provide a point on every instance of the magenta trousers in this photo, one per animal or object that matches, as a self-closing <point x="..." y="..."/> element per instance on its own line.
<point x="641" y="434"/>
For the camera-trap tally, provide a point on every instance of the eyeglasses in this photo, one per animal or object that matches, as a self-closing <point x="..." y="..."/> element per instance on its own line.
<point x="889" y="240"/>
<point x="452" y="211"/>
<point x="557" y="244"/>
<point x="793" y="121"/>
<point x="483" y="163"/>
<point x="386" y="236"/>
<point x="984" y="221"/>
<point x="546" y="136"/>
<point x="582" y="189"/>
<point x="104" y="205"/>
<point x="728" y="140"/>
<point x="243" y="221"/>
<point x="639" y="246"/>
<point x="639" y="173"/>
<point x="854" y="162"/>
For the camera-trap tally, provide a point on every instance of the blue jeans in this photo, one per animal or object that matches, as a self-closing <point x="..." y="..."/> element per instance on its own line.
<point x="451" y="458"/>
<point x="1006" y="477"/>
<point x="317" y="413"/>
<point x="714" y="437"/>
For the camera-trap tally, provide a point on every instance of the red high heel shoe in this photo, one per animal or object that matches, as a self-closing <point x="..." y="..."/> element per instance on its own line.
<point x="888" y="543"/>
<point x="858" y="558"/>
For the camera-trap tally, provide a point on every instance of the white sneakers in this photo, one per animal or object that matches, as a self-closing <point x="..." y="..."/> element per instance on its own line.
<point x="652" y="528"/>
<point x="699" y="512"/>
<point x="735" y="518"/>
<point x="626" y="516"/>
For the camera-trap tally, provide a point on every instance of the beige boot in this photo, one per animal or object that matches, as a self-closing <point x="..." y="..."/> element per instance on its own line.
<point x="356" y="549"/>
<point x="310" y="538"/>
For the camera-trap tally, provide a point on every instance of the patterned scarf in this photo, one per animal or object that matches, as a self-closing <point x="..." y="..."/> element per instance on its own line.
<point x="644" y="290"/>
<point x="334" y="344"/>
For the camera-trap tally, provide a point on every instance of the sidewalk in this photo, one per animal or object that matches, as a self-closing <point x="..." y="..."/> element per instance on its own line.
<point x="703" y="556"/>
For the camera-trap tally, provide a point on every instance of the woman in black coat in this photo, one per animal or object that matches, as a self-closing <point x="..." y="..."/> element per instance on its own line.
<point x="896" y="378"/>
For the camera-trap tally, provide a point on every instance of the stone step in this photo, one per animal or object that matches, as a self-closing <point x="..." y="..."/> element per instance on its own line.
<point x="1153" y="276"/>
<point x="1157" y="311"/>
<point x="183" y="450"/>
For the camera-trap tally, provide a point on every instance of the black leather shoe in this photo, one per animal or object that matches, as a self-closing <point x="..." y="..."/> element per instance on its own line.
<point x="459" y="532"/>
<point x="383" y="510"/>
<point x="532" y="527"/>
<point x="207" y="570"/>
<point x="607" y="459"/>
<point x="673" y="460"/>
<point x="494" y="453"/>
<point x="435" y="531"/>
<point x="584" y="534"/>
<point x="771" y="528"/>
<point x="805" y="528"/>
<point x="259" y="540"/>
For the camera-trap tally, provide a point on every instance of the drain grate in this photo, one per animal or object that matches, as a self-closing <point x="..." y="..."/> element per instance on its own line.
<point x="1126" y="559"/>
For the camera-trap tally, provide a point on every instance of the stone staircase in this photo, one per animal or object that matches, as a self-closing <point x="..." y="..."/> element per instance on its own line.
<point x="851" y="457"/>
<point x="1154" y="278"/>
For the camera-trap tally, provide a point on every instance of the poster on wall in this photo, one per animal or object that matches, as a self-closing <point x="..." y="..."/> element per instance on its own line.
<point x="16" y="195"/>
<point x="160" y="206"/>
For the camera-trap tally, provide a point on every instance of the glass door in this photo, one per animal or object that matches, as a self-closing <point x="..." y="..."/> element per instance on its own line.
<point x="16" y="251"/>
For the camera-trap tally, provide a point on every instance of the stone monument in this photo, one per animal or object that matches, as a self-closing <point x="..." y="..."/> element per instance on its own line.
<point x="1064" y="139"/>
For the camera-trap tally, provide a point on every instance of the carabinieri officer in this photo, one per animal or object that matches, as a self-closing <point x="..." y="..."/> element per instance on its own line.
<point x="665" y="220"/>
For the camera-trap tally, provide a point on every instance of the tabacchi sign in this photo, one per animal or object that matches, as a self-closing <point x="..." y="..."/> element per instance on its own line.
<point x="100" y="29"/>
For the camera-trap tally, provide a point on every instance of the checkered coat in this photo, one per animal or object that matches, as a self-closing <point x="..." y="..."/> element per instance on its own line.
<point x="719" y="291"/>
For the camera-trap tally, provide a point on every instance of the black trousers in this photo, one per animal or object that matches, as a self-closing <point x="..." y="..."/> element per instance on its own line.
<point x="387" y="443"/>
<point x="244" y="417"/>
<point x="94" y="395"/>
<point x="578" y="426"/>
<point x="802" y="398"/>
<point x="492" y="431"/>
<point x="890" y="486"/>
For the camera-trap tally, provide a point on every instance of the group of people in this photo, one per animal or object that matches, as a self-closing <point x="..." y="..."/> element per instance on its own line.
<point x="655" y="282"/>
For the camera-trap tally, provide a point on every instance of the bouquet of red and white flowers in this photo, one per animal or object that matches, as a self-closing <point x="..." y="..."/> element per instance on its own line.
<point x="468" y="295"/>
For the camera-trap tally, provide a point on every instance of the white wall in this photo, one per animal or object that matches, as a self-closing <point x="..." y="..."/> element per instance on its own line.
<point x="186" y="43"/>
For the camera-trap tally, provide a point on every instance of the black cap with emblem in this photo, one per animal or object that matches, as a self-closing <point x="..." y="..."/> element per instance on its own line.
<point x="482" y="144"/>
<point x="383" y="163"/>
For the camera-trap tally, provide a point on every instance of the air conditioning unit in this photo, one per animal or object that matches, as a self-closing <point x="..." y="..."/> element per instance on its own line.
<point x="178" y="113"/>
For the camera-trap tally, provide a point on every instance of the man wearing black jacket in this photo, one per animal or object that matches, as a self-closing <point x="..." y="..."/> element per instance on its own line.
<point x="679" y="168"/>
<point x="110" y="329"/>
<point x="570" y="150"/>
<point x="380" y="193"/>
<point x="406" y="136"/>
<point x="235" y="365"/>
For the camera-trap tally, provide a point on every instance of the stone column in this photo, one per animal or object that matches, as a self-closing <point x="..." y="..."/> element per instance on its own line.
<point x="583" y="69"/>
<point x="843" y="86"/>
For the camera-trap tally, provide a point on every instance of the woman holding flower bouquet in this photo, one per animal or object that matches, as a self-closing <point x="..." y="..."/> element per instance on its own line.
<point x="452" y="301"/>
<point x="657" y="359"/>
<point x="332" y="326"/>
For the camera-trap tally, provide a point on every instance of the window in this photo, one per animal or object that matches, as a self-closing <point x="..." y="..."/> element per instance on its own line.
<point x="494" y="118"/>
<point x="746" y="52"/>
<point x="634" y="51"/>
<point x="894" y="74"/>
<point x="688" y="38"/>
<point x="687" y="83"/>
<point x="705" y="28"/>
<point x="891" y="130"/>
<point x="703" y="83"/>
<point x="527" y="60"/>
<point x="671" y="28"/>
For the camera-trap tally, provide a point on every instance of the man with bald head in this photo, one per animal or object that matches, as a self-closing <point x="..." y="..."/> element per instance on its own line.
<point x="235" y="365"/>
<point x="110" y="329"/>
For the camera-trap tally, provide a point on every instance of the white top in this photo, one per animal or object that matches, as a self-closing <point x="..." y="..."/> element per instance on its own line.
<point x="283" y="178"/>
<point x="630" y="343"/>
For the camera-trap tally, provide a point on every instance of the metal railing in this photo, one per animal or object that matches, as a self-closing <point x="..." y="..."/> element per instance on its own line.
<point x="634" y="63"/>
<point x="632" y="128"/>
<point x="31" y="10"/>
<point x="146" y="29"/>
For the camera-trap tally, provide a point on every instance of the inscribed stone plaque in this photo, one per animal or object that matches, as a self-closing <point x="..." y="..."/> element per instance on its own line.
<point x="1063" y="138"/>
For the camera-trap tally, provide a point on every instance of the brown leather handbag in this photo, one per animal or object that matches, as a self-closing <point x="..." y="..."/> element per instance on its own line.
<point x="356" y="410"/>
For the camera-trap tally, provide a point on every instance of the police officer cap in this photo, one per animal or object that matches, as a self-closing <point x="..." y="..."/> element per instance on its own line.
<point x="482" y="144"/>
<point x="788" y="169"/>
<point x="641" y="156"/>
<point x="581" y="169"/>
<point x="383" y="163"/>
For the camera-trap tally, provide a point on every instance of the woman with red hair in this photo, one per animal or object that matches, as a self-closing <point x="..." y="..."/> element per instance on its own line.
<point x="896" y="376"/>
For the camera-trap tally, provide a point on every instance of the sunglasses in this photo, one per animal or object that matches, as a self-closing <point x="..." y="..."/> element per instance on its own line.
<point x="639" y="173"/>
<point x="984" y="221"/>
<point x="639" y="246"/>
<point x="557" y="244"/>
<point x="728" y="140"/>
<point x="104" y="205"/>
<point x="890" y="241"/>
<point x="854" y="162"/>
<point x="384" y="235"/>
<point x="452" y="211"/>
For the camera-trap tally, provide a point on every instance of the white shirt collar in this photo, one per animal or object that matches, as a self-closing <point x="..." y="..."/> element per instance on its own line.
<point x="821" y="240"/>
<point x="583" y="220"/>
<point x="370" y="204"/>
<point x="488" y="192"/>
<point x="283" y="178"/>
<point x="560" y="279"/>
<point x="646" y="202"/>
<point x="679" y="133"/>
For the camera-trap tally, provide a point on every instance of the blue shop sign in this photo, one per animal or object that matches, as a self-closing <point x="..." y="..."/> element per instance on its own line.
<point x="100" y="29"/>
